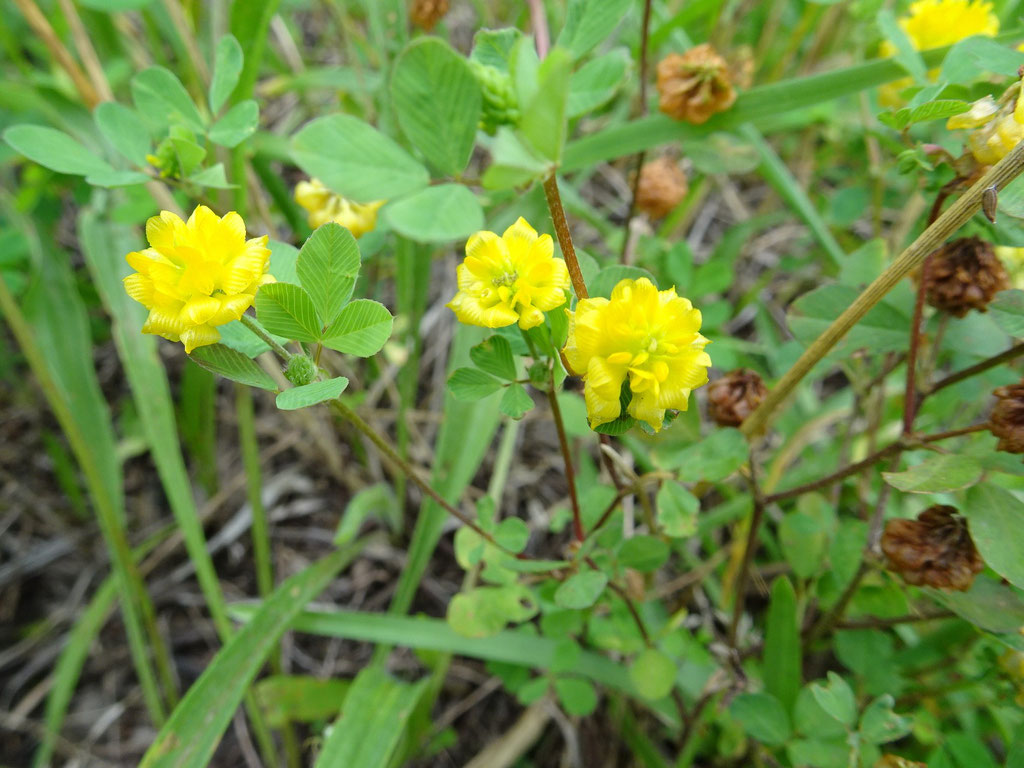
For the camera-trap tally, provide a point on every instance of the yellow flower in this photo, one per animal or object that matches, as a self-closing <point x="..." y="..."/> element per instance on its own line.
<point x="936" y="24"/>
<point x="997" y="129"/>
<point x="324" y="206"/>
<point x="196" y="275"/>
<point x="509" y="278"/>
<point x="650" y="335"/>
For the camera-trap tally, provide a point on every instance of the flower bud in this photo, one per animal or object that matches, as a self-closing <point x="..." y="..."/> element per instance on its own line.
<point x="300" y="370"/>
<point x="735" y="396"/>
<point x="963" y="275"/>
<point x="426" y="13"/>
<point x="1007" y="419"/>
<point x="935" y="550"/>
<point x="695" y="85"/>
<point x="500" y="104"/>
<point x="662" y="186"/>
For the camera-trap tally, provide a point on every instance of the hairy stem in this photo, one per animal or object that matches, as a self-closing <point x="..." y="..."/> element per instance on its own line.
<point x="949" y="222"/>
<point x="564" y="236"/>
<point x="253" y="325"/>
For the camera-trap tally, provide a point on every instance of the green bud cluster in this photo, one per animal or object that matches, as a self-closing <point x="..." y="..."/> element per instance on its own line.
<point x="500" y="105"/>
<point x="301" y="370"/>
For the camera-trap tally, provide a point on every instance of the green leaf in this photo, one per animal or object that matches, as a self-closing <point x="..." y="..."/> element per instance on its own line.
<point x="609" y="277"/>
<point x="782" y="652"/>
<point x="231" y="364"/>
<point x="836" y="699"/>
<point x="576" y="696"/>
<point x="372" y="722"/>
<point x="469" y="384"/>
<point x="356" y="160"/>
<point x="883" y="329"/>
<point x="653" y="674"/>
<point x="190" y="154"/>
<point x="160" y="98"/>
<point x="311" y="394"/>
<point x="596" y="82"/>
<point x="677" y="510"/>
<point x="906" y="54"/>
<point x="494" y="355"/>
<point x="938" y="109"/>
<point x="516" y="402"/>
<point x="996" y="519"/>
<point x="513" y="163"/>
<point x="437" y="101"/>
<point x="804" y="542"/>
<point x="227" y="66"/>
<point x="327" y="267"/>
<point x="941" y="474"/>
<point x="240" y="122"/>
<point x="287" y="310"/>
<point x="1007" y="308"/>
<point x="212" y="177"/>
<point x="643" y="553"/>
<point x="714" y="458"/>
<point x="484" y="611"/>
<point x="436" y="214"/>
<point x="512" y="533"/>
<point x="362" y="328"/>
<point x="299" y="698"/>
<point x="580" y="590"/>
<point x="113" y="178"/>
<point x="589" y="22"/>
<point x="124" y="129"/>
<point x="189" y="737"/>
<point x="494" y="46"/>
<point x="978" y="55"/>
<point x="763" y="717"/>
<point x="722" y="152"/>
<point x="880" y="725"/>
<point x="543" y="121"/>
<point x="55" y="150"/>
<point x="284" y="262"/>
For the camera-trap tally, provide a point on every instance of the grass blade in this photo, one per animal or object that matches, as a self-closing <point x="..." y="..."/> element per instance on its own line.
<point x="190" y="736"/>
<point x="372" y="721"/>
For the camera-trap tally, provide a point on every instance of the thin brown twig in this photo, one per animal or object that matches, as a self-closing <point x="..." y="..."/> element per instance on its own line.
<point x="910" y="391"/>
<point x="570" y="474"/>
<point x="955" y="378"/>
<point x="748" y="552"/>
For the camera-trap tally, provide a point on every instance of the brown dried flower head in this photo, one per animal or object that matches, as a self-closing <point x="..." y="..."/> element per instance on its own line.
<point x="693" y="86"/>
<point x="935" y="550"/>
<point x="965" y="274"/>
<point x="426" y="13"/>
<point x="662" y="186"/>
<point x="735" y="396"/>
<point x="1007" y="419"/>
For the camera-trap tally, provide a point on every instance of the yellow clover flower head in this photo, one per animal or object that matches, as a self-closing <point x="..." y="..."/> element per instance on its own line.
<point x="508" y="279"/>
<point x="651" y="336"/>
<point x="325" y="206"/>
<point x="936" y="24"/>
<point x="997" y="129"/>
<point x="196" y="275"/>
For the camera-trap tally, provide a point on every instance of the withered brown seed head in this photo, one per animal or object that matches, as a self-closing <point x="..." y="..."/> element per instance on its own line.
<point x="693" y="86"/>
<point x="965" y="274"/>
<point x="662" y="186"/>
<point x="734" y="397"/>
<point x="426" y="13"/>
<point x="1007" y="419"/>
<point x="935" y="550"/>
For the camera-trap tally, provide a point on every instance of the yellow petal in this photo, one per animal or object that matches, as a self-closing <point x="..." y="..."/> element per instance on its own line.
<point x="199" y="336"/>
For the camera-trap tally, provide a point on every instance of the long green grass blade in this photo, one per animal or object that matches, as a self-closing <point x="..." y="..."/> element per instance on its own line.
<point x="777" y="174"/>
<point x="758" y="104"/>
<point x="436" y="635"/>
<point x="190" y="736"/>
<point x="53" y="335"/>
<point x="372" y="721"/>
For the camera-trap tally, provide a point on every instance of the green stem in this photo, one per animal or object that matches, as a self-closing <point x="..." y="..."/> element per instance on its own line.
<point x="253" y="484"/>
<point x="253" y="325"/>
<point x="949" y="222"/>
